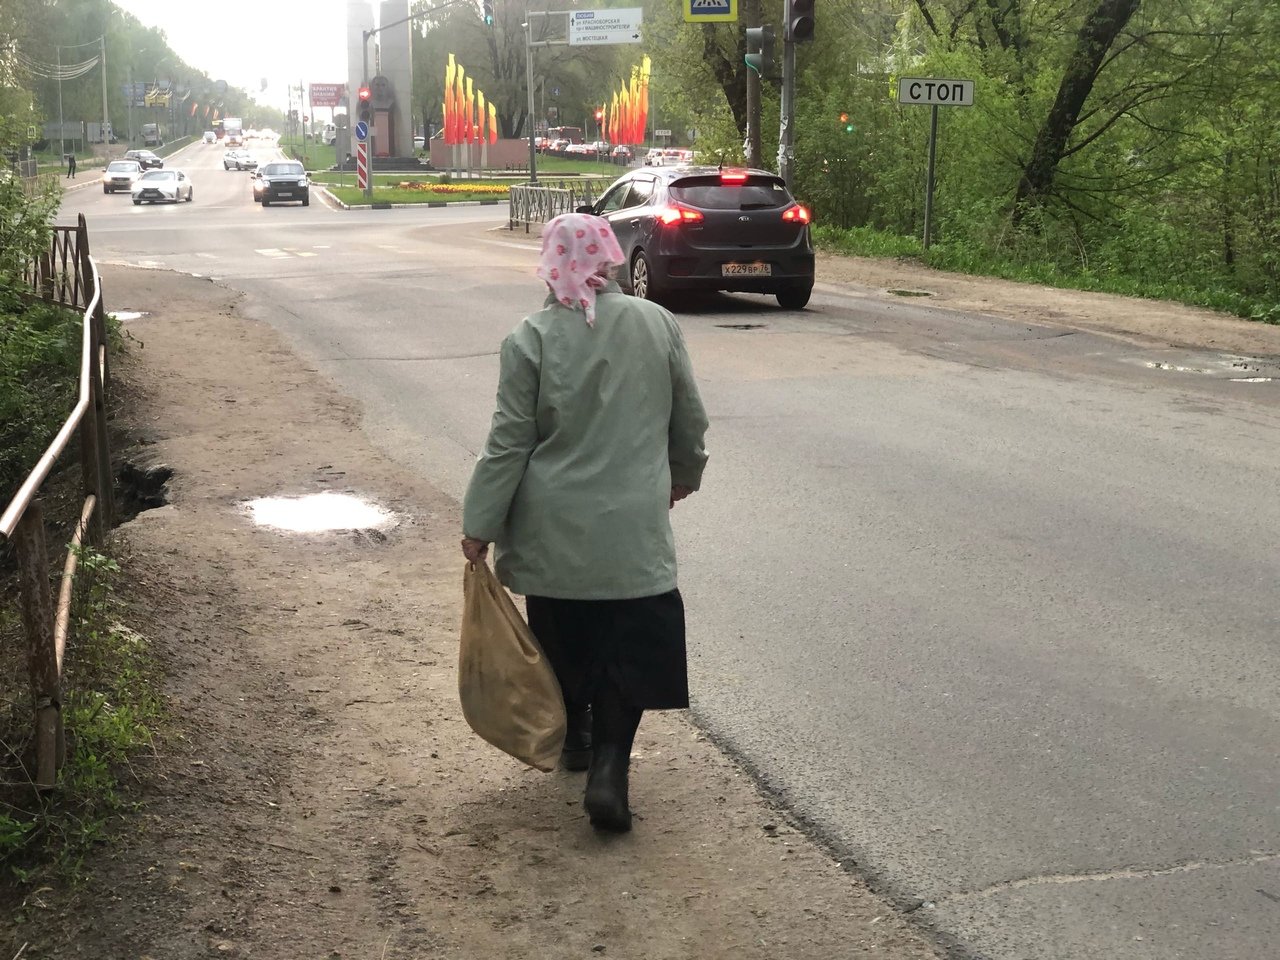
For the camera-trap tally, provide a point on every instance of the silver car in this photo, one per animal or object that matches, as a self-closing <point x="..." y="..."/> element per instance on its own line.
<point x="239" y="160"/>
<point x="120" y="175"/>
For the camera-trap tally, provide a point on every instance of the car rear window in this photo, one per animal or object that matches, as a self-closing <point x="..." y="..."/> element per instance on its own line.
<point x="710" y="193"/>
<point x="159" y="175"/>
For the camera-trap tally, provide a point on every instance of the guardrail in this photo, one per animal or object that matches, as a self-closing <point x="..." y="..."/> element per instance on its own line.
<point x="65" y="275"/>
<point x="539" y="203"/>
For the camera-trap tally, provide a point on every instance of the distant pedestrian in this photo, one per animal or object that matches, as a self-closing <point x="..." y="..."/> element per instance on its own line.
<point x="71" y="166"/>
<point x="598" y="432"/>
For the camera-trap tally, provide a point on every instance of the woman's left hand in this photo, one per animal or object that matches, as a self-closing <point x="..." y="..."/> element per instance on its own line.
<point x="474" y="550"/>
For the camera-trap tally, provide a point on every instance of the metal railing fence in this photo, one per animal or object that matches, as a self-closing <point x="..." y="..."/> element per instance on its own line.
<point x="541" y="202"/>
<point x="67" y="276"/>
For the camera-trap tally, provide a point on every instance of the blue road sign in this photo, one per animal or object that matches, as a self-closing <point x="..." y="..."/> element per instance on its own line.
<point x="362" y="130"/>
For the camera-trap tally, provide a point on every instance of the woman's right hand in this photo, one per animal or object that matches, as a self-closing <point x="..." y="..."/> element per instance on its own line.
<point x="474" y="550"/>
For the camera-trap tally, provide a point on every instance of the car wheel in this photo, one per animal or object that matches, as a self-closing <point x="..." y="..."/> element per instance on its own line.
<point x="266" y="202"/>
<point x="793" y="298"/>
<point x="643" y="282"/>
<point x="106" y="189"/>
<point x="137" y="203"/>
<point x="191" y="194"/>
<point x="306" y="201"/>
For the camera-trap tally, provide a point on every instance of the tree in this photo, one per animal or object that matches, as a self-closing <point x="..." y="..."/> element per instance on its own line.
<point x="1099" y="31"/>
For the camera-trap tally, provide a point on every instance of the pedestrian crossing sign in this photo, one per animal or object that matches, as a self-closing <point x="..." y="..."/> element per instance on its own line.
<point x="710" y="11"/>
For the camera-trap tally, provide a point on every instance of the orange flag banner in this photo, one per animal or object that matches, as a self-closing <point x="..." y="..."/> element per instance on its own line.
<point x="449" y="71"/>
<point x="493" y="123"/>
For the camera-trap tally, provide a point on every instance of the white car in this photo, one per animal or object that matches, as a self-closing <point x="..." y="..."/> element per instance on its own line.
<point x="120" y="175"/>
<point x="210" y="137"/>
<point x="239" y="160"/>
<point x="165" y="185"/>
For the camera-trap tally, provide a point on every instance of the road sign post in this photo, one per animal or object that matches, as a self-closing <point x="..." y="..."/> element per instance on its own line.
<point x="362" y="166"/>
<point x="363" y="179"/>
<point x="933" y="93"/>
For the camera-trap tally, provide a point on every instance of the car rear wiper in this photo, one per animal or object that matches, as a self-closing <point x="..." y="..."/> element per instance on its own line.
<point x="757" y="206"/>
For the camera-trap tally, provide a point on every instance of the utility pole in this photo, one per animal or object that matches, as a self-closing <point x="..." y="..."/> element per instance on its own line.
<point x="528" y="73"/>
<point x="786" y="133"/>
<point x="751" y="17"/>
<point x="62" y="142"/>
<point x="106" y="120"/>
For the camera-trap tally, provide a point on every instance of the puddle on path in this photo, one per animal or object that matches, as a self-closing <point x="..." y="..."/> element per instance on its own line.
<point x="319" y="513"/>
<point x="126" y="315"/>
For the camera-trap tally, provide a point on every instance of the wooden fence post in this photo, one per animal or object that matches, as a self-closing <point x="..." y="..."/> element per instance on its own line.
<point x="42" y="656"/>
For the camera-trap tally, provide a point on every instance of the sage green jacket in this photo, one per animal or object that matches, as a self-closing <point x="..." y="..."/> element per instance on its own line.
<point x="592" y="428"/>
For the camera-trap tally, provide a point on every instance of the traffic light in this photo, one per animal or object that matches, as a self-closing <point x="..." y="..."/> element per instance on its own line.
<point x="364" y="94"/>
<point x="599" y="114"/>
<point x="847" y="122"/>
<point x="759" y="49"/>
<point x="799" y="20"/>
<point x="486" y="11"/>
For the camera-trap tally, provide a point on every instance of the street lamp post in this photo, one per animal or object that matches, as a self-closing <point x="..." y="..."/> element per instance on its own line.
<point x="62" y="141"/>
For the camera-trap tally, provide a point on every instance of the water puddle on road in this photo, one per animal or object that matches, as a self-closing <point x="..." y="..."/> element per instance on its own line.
<point x="124" y="316"/>
<point x="319" y="513"/>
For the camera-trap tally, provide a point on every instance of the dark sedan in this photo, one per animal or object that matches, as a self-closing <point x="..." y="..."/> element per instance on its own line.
<point x="706" y="228"/>
<point x="146" y="159"/>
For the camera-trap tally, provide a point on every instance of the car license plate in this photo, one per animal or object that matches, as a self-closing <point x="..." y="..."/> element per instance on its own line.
<point x="746" y="270"/>
<point x="285" y="193"/>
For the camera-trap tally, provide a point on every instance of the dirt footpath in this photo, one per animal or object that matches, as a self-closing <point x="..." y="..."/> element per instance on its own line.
<point x="319" y="795"/>
<point x="1144" y="321"/>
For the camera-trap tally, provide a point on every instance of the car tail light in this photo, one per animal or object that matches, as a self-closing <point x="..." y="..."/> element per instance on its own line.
<point x="733" y="176"/>
<point x="674" y="215"/>
<point x="797" y="214"/>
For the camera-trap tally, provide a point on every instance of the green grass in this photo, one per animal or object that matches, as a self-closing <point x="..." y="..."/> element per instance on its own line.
<point x="314" y="156"/>
<point x="111" y="706"/>
<point x="561" y="166"/>
<point x="1214" y="293"/>
<point x="353" y="196"/>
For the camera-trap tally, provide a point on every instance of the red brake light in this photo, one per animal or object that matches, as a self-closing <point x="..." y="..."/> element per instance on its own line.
<point x="733" y="176"/>
<point x="797" y="214"/>
<point x="672" y="215"/>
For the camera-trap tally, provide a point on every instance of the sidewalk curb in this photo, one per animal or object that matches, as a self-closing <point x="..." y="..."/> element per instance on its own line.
<point x="433" y="204"/>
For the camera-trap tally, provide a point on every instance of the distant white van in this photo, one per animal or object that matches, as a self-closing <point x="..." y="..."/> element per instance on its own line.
<point x="210" y="137"/>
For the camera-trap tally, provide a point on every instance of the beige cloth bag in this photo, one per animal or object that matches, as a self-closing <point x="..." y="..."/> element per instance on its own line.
<point x="509" y="692"/>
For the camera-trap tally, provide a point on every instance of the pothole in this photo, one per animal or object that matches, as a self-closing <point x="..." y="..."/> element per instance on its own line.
<point x="320" y="513"/>
<point x="141" y="488"/>
<point x="911" y="293"/>
<point x="741" y="326"/>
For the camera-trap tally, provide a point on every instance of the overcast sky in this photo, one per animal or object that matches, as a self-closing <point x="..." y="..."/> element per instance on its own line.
<point x="243" y="41"/>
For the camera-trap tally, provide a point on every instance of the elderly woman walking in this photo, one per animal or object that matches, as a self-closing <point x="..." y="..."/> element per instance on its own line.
<point x="598" y="433"/>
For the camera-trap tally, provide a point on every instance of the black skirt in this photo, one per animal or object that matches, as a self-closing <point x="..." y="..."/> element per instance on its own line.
<point x="638" y="645"/>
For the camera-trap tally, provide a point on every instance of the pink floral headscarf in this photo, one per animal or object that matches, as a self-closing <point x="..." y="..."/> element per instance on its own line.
<point x="577" y="251"/>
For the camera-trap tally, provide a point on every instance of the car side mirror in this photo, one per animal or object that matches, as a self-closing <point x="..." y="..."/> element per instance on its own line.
<point x="590" y="210"/>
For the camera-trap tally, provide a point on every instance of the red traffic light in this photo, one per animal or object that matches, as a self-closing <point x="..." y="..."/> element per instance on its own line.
<point x="844" y="118"/>
<point x="599" y="114"/>
<point x="364" y="94"/>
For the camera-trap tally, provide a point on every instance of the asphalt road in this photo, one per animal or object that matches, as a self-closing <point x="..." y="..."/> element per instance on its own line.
<point x="992" y="607"/>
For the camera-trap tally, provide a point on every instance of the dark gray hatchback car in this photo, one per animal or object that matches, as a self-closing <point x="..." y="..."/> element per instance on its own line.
<point x="708" y="228"/>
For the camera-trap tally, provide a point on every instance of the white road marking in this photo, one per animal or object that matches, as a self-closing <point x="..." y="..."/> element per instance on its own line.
<point x="274" y="253"/>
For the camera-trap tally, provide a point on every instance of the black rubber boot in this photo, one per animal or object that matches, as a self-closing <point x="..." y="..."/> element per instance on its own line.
<point x="606" y="796"/>
<point x="576" y="753"/>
